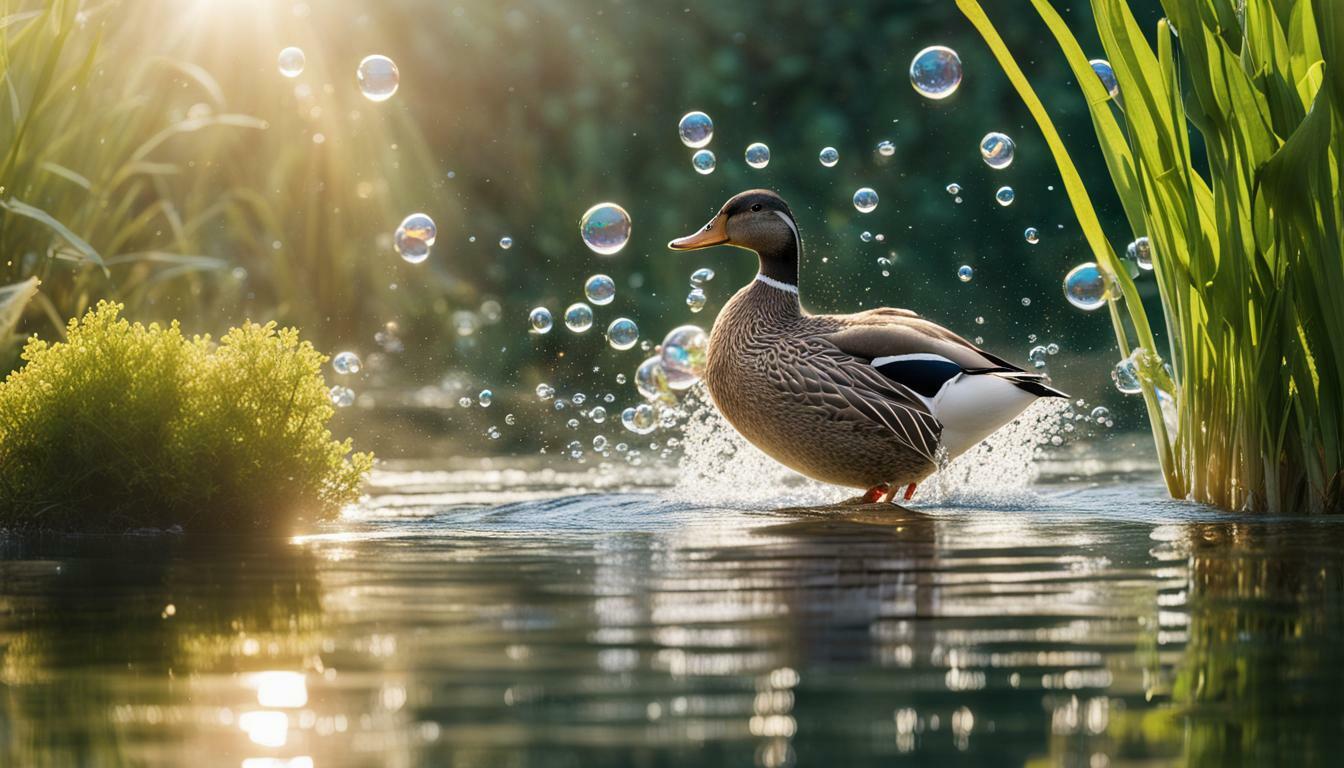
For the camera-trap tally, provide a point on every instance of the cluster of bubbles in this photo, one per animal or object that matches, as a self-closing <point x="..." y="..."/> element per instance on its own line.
<point x="696" y="130"/>
<point x="1139" y="367"/>
<point x="605" y="228"/>
<point x="675" y="366"/>
<point x="935" y="72"/>
<point x="1087" y="286"/>
<point x="1038" y="354"/>
<point x="695" y="299"/>
<point x="414" y="237"/>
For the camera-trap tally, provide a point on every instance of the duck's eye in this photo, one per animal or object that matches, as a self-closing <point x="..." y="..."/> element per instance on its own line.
<point x="756" y="207"/>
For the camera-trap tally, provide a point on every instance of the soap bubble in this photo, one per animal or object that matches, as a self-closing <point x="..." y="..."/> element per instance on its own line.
<point x="758" y="155"/>
<point x="598" y="414"/>
<point x="935" y="72"/>
<point x="291" y="61"/>
<point x="1086" y="286"/>
<point x="622" y="333"/>
<point x="701" y="276"/>
<point x="600" y="290"/>
<point x="684" y="353"/>
<point x="1052" y="348"/>
<point x="341" y="397"/>
<point x="1106" y="74"/>
<point x="421" y="227"/>
<point x="485" y="398"/>
<point x="1005" y="196"/>
<point x="696" y="130"/>
<point x="506" y="242"/>
<point x="1101" y="414"/>
<point x="829" y="156"/>
<point x="1141" y="252"/>
<point x="1032" y="235"/>
<point x="865" y="199"/>
<point x="965" y="273"/>
<point x="346" y="363"/>
<point x="413" y="250"/>
<point x="886" y="148"/>
<point x="605" y="228"/>
<point x="651" y="380"/>
<point x="464" y="402"/>
<point x="1037" y="356"/>
<point x="600" y="443"/>
<point x="866" y="236"/>
<point x="696" y="299"/>
<point x="579" y="317"/>
<point x="540" y="320"/>
<point x="997" y="149"/>
<point x="1126" y="376"/>
<point x="640" y="419"/>
<point x="544" y="392"/>
<point x="954" y="188"/>
<point x="378" y="78"/>
<point x="703" y="162"/>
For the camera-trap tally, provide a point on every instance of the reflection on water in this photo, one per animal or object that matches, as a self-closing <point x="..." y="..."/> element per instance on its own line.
<point x="1094" y="628"/>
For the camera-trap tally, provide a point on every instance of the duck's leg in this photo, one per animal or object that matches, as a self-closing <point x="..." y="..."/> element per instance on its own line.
<point x="870" y="496"/>
<point x="890" y="496"/>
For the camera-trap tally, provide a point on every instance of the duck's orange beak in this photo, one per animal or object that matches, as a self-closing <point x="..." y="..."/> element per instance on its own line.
<point x="713" y="233"/>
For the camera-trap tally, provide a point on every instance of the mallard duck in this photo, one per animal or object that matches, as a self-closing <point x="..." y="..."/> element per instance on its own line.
<point x="871" y="400"/>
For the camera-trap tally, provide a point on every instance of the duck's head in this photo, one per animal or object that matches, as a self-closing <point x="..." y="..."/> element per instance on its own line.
<point x="758" y="220"/>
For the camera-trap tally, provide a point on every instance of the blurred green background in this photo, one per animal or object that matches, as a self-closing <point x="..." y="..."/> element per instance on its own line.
<point x="512" y="119"/>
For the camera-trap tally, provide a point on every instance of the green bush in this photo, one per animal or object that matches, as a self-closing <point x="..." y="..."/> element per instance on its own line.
<point x="125" y="426"/>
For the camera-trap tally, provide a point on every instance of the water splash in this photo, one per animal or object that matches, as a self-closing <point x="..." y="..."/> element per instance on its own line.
<point x="1001" y="470"/>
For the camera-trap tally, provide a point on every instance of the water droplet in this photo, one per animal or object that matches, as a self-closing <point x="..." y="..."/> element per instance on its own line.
<point x="829" y="156"/>
<point x="506" y="242"/>
<point x="954" y="188"/>
<point x="1037" y="356"/>
<point x="378" y="78"/>
<point x="640" y="419"/>
<point x="291" y="61"/>
<point x="598" y="414"/>
<point x="1101" y="414"/>
<point x="620" y="378"/>
<point x="1033" y="236"/>
<point x="683" y="356"/>
<point x="1106" y="74"/>
<point x="1026" y="302"/>
<point x="965" y="273"/>
<point x="865" y="199"/>
<point x="703" y="162"/>
<point x="579" y="317"/>
<point x="696" y="130"/>
<point x="701" y="276"/>
<point x="510" y="419"/>
<point x="935" y="72"/>
<point x="540" y="320"/>
<point x="579" y="398"/>
<point x="997" y="149"/>
<point x="485" y="398"/>
<point x="696" y="299"/>
<point x="1005" y="196"/>
<point x="758" y="155"/>
<point x="605" y="228"/>
<point x="600" y="290"/>
<point x="1141" y="252"/>
<point x="600" y="443"/>
<point x="622" y="333"/>
<point x="651" y="380"/>
<point x="1126" y="377"/>
<point x="341" y="397"/>
<point x="545" y="391"/>
<point x="886" y="148"/>
<point x="464" y="402"/>
<point x="1052" y="348"/>
<point x="421" y="227"/>
<point x="1086" y="286"/>
<point x="345" y="363"/>
<point x="866" y="236"/>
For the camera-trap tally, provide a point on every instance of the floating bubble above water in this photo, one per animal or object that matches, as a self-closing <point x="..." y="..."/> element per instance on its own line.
<point x="540" y="320"/>
<point x="544" y="392"/>
<point x="684" y="353"/>
<point x="622" y="333"/>
<point x="1086" y="286"/>
<point x="378" y="78"/>
<point x="341" y="397"/>
<point x="829" y="156"/>
<point x="651" y="380"/>
<point x="485" y="398"/>
<point x="997" y="149"/>
<point x="886" y="148"/>
<point x="865" y="199"/>
<point x="600" y="290"/>
<point x="579" y="317"/>
<point x="954" y="188"/>
<point x="701" y="276"/>
<point x="758" y="155"/>
<point x="1101" y="414"/>
<point x="506" y="242"/>
<point x="1032" y="235"/>
<point x="605" y="228"/>
<point x="1052" y="348"/>
<point x="1106" y="74"/>
<point x="345" y="363"/>
<point x="464" y="402"/>
<point x="696" y="299"/>
<point x="421" y="227"/>
<point x="696" y="130"/>
<point x="640" y="419"/>
<point x="598" y="414"/>
<point x="703" y="162"/>
<point x="600" y="443"/>
<point x="1141" y="252"/>
<point x="1125" y="374"/>
<point x="413" y="250"/>
<point x="1005" y="196"/>
<point x="935" y="72"/>
<point x="965" y="273"/>
<point x="291" y="61"/>
<point x="1037" y="357"/>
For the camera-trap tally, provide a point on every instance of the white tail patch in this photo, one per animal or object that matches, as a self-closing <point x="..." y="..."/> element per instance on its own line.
<point x="970" y="407"/>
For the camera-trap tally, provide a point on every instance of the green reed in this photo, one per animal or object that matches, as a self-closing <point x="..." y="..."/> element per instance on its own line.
<point x="1247" y="239"/>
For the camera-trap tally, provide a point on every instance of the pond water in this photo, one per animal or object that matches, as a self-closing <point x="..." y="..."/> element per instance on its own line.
<point x="504" y="614"/>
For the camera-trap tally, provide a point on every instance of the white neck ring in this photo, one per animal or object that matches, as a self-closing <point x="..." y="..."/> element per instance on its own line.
<point x="780" y="284"/>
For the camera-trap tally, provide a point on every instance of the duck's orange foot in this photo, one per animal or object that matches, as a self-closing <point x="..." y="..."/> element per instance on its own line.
<point x="873" y="494"/>
<point x="910" y="491"/>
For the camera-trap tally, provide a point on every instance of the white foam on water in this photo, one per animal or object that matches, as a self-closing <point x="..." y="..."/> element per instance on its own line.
<point x="1001" y="470"/>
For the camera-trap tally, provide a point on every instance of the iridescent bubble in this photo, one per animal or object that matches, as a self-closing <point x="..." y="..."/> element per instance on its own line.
<point x="1125" y="374"/>
<point x="684" y="353"/>
<point x="886" y="148"/>
<point x="758" y="155"/>
<point x="378" y="78"/>
<point x="544" y="392"/>
<point x="935" y="72"/>
<point x="1086" y="286"/>
<point x="345" y="363"/>
<point x="965" y="273"/>
<point x="1032" y="235"/>
<point x="600" y="290"/>
<point x="540" y="320"/>
<point x="1005" y="196"/>
<point x="696" y="130"/>
<point x="1101" y="414"/>
<point x="605" y="228"/>
<point x="829" y="156"/>
<point x="651" y="380"/>
<point x="1141" y="252"/>
<point x="701" y="276"/>
<point x="1037" y="357"/>
<point x="866" y="236"/>
<point x="291" y="61"/>
<point x="579" y="317"/>
<point x="485" y="398"/>
<point x="997" y="149"/>
<point x="622" y="333"/>
<point x="1106" y="74"/>
<point x="640" y="419"/>
<point x="341" y="397"/>
<point x="421" y="227"/>
<point x="413" y="250"/>
<point x="506" y="242"/>
<point x="696" y="299"/>
<point x="954" y="188"/>
<point x="865" y="199"/>
<point x="703" y="162"/>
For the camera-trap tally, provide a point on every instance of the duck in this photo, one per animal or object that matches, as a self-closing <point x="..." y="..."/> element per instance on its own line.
<point x="873" y="400"/>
